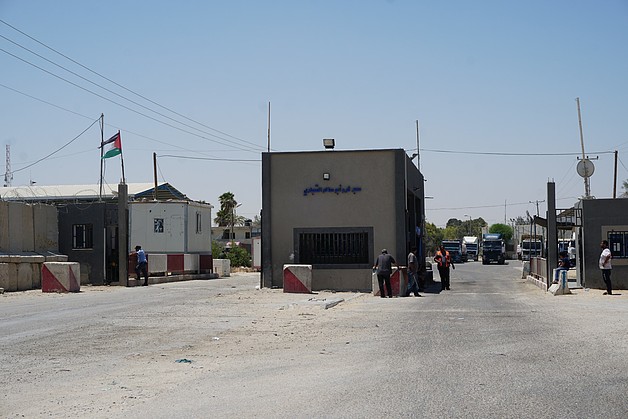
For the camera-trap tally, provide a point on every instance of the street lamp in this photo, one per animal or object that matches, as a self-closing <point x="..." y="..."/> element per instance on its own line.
<point x="469" y="229"/>
<point x="233" y="223"/>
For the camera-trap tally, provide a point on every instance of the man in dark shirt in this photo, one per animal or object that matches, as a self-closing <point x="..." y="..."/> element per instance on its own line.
<point x="383" y="264"/>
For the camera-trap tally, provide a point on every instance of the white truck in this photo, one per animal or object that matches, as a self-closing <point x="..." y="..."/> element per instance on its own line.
<point x="531" y="246"/>
<point x="472" y="244"/>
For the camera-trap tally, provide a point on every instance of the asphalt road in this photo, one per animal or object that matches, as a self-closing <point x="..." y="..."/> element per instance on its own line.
<point x="492" y="347"/>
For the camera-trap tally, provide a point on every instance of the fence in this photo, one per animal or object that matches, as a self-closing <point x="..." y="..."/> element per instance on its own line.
<point x="538" y="268"/>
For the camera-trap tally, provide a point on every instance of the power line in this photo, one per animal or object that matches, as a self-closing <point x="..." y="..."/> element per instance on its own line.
<point x="207" y="158"/>
<point x="122" y="87"/>
<point x="121" y="105"/>
<point x="488" y="153"/>
<point x="59" y="149"/>
<point x="109" y="125"/>
<point x="489" y="206"/>
<point x="114" y="93"/>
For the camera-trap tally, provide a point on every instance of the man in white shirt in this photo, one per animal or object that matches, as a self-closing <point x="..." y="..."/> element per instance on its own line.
<point x="605" y="266"/>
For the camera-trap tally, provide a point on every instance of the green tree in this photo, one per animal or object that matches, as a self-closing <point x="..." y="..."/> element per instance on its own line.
<point x="505" y="230"/>
<point x="433" y="238"/>
<point x="625" y="187"/>
<point x="225" y="215"/>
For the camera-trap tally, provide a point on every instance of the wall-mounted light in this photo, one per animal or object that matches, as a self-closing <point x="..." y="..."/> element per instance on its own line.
<point x="329" y="143"/>
<point x="326" y="176"/>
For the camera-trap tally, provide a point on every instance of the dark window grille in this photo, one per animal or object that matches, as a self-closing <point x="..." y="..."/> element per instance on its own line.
<point x="334" y="248"/>
<point x="618" y="244"/>
<point x="82" y="236"/>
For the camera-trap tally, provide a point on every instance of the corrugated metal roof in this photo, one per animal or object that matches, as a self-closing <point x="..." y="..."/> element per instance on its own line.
<point x="87" y="192"/>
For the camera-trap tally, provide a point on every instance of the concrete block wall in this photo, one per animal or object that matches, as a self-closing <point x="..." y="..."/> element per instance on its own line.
<point x="29" y="236"/>
<point x="22" y="273"/>
<point x="28" y="228"/>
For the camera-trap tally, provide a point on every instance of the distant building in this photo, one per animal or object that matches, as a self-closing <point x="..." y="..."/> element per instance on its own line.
<point x="336" y="211"/>
<point x="173" y="230"/>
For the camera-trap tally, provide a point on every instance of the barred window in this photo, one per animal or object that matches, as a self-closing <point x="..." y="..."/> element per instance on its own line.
<point x="82" y="236"/>
<point x="198" y="223"/>
<point x="618" y="244"/>
<point x="336" y="247"/>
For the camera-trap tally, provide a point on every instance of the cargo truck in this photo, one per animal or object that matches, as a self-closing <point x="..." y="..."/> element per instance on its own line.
<point x="493" y="249"/>
<point x="531" y="246"/>
<point x="454" y="247"/>
<point x="472" y="245"/>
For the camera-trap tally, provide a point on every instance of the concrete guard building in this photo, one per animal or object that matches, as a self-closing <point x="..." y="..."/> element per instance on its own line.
<point x="336" y="210"/>
<point x="602" y="219"/>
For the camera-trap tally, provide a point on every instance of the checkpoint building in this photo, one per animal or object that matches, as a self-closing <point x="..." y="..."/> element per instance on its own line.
<point x="336" y="210"/>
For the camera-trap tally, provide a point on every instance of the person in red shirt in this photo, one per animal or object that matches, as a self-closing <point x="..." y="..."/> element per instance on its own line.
<point x="443" y="259"/>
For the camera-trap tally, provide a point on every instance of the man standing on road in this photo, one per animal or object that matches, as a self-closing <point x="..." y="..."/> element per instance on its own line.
<point x="142" y="265"/>
<point x="413" y="268"/>
<point x="383" y="264"/>
<point x="444" y="262"/>
<point x="605" y="266"/>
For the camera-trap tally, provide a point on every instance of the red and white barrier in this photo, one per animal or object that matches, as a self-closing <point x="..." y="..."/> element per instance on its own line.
<point x="61" y="277"/>
<point x="398" y="283"/>
<point x="297" y="278"/>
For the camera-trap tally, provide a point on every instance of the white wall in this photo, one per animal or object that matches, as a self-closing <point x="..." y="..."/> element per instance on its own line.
<point x="179" y="227"/>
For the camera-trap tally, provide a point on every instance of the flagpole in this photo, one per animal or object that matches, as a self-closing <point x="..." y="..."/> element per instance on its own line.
<point x="121" y="158"/>
<point x="102" y="140"/>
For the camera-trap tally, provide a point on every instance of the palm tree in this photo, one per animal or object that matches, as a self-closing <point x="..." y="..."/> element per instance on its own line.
<point x="224" y="216"/>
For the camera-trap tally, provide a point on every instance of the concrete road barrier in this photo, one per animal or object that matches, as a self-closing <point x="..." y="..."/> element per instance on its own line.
<point x="60" y="277"/>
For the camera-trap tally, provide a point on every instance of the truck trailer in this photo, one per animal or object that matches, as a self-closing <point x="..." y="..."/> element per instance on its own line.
<point x="473" y="246"/>
<point x="454" y="247"/>
<point x="493" y="249"/>
<point x="531" y="246"/>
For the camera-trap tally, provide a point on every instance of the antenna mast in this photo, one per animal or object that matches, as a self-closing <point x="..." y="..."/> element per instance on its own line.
<point x="8" y="175"/>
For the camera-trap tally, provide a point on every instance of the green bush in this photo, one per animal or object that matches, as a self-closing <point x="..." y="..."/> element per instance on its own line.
<point x="239" y="257"/>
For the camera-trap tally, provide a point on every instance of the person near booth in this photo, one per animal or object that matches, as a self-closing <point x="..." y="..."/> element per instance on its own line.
<point x="383" y="267"/>
<point x="443" y="259"/>
<point x="141" y="269"/>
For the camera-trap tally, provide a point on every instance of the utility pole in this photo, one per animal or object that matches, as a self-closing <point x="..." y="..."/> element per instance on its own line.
<point x="8" y="175"/>
<point x="587" y="187"/>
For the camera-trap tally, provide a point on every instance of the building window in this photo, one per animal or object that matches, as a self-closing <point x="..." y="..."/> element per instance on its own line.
<point x="198" y="223"/>
<point x="618" y="244"/>
<point x="82" y="236"/>
<point x="226" y="235"/>
<point x="158" y="225"/>
<point x="247" y="235"/>
<point x="334" y="247"/>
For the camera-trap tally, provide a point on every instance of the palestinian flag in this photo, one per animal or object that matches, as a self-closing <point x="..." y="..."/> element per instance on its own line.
<point x="114" y="146"/>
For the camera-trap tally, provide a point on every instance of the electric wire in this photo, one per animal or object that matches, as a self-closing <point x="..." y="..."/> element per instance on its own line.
<point x="123" y="106"/>
<point x="489" y="153"/>
<point x="112" y="92"/>
<point x="57" y="150"/>
<point x="121" y="86"/>
<point x="127" y="131"/>
<point x="208" y="158"/>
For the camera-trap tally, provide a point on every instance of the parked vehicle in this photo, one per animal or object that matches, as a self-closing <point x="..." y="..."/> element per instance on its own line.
<point x="531" y="246"/>
<point x="473" y="246"/>
<point x="454" y="247"/>
<point x="493" y="249"/>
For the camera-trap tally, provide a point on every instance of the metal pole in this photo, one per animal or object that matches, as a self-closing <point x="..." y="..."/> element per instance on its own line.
<point x="418" y="153"/>
<point x="102" y="140"/>
<point x="155" y="175"/>
<point x="615" y="178"/>
<point x="587" y="188"/>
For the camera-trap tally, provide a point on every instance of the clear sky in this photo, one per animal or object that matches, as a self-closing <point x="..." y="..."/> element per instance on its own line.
<point x="480" y="76"/>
